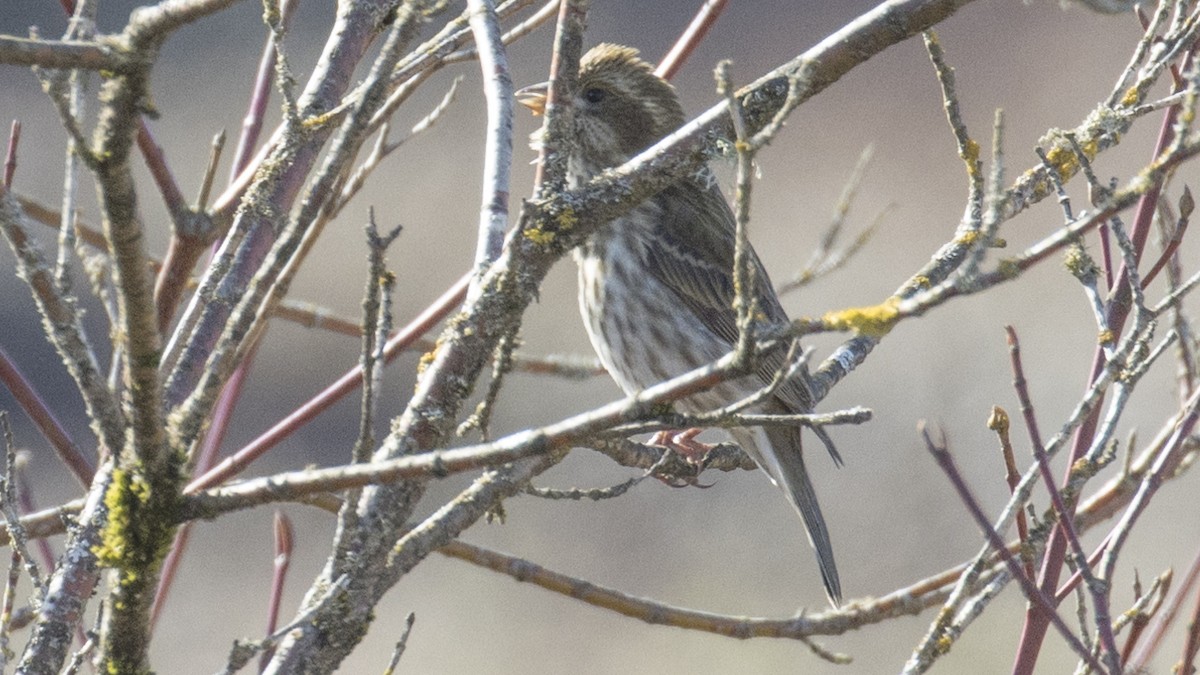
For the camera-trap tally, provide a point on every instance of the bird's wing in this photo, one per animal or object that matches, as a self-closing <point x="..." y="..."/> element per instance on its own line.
<point x="693" y="255"/>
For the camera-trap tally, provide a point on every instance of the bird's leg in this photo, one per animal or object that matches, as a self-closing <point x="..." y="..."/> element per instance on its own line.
<point x="685" y="444"/>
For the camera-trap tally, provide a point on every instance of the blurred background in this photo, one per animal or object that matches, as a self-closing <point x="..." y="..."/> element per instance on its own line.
<point x="736" y="547"/>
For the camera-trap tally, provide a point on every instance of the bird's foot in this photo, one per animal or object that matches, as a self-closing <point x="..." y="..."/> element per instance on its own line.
<point x="684" y="444"/>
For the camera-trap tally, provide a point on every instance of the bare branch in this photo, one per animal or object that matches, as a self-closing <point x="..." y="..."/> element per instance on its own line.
<point x="497" y="153"/>
<point x="58" y="54"/>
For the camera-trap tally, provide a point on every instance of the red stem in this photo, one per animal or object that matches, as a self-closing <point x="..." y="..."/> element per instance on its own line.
<point x="284" y="536"/>
<point x="45" y="420"/>
<point x="692" y="36"/>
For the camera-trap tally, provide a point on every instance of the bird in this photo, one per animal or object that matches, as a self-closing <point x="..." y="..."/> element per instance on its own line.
<point x="656" y="287"/>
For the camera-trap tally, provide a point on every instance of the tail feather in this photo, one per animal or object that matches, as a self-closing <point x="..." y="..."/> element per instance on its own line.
<point x="779" y="454"/>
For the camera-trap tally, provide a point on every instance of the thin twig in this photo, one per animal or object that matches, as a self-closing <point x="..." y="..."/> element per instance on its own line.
<point x="823" y="258"/>
<point x="10" y="155"/>
<point x="696" y="30"/>
<point x="745" y="279"/>
<point x="398" y="650"/>
<point x="998" y="422"/>
<point x="1186" y="205"/>
<point x="6" y="611"/>
<point x="9" y="510"/>
<point x="284" y="544"/>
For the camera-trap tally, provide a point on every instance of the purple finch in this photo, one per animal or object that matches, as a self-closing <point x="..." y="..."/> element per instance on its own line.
<point x="656" y="285"/>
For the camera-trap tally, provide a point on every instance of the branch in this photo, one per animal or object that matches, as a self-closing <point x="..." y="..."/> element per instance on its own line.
<point x="59" y="54"/>
<point x="498" y="93"/>
<point x="441" y="463"/>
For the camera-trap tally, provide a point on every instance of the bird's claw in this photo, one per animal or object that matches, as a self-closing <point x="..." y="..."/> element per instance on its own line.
<point x="693" y="452"/>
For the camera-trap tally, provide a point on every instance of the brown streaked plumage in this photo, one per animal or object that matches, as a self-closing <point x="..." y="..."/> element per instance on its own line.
<point x="656" y="285"/>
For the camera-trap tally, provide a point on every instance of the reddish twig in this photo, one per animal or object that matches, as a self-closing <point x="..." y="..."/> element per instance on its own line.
<point x="166" y="578"/>
<point x="693" y="35"/>
<point x="263" y="80"/>
<point x="284" y="538"/>
<point x="999" y="422"/>
<point x="1186" y="204"/>
<point x="45" y="420"/>
<point x="184" y="249"/>
<point x="164" y="178"/>
<point x="173" y="277"/>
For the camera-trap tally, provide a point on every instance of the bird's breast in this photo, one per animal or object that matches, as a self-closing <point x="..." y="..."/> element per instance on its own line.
<point x="637" y="325"/>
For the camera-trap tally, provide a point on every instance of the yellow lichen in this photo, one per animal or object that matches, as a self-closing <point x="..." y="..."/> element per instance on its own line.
<point x="1064" y="161"/>
<point x="874" y="321"/>
<point x="1131" y="97"/>
<point x="566" y="219"/>
<point x="124" y="494"/>
<point x="970" y="154"/>
<point x="539" y="236"/>
<point x="316" y="121"/>
<point x="136" y="533"/>
<point x="1105" y="337"/>
<point x="1008" y="268"/>
<point x="1080" y="465"/>
<point x="969" y="237"/>
<point x="1079" y="263"/>
<point x="428" y="357"/>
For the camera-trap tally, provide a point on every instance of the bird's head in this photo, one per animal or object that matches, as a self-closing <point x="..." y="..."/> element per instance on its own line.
<point x="621" y="106"/>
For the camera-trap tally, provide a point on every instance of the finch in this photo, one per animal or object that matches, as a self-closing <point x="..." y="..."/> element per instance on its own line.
<point x="656" y="286"/>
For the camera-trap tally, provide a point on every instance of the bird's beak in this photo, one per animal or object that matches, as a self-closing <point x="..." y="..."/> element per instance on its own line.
<point x="534" y="97"/>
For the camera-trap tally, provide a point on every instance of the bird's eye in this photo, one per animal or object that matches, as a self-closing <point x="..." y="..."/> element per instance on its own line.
<point x="594" y="95"/>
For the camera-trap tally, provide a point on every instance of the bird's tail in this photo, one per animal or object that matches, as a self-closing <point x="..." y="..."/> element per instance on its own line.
<point x="777" y="451"/>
